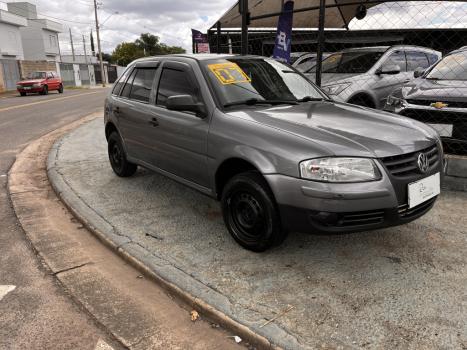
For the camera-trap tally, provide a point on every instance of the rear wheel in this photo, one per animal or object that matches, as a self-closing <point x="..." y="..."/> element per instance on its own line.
<point x="45" y="90"/>
<point x="60" y="89"/>
<point x="250" y="212"/>
<point x="120" y="165"/>
<point x="22" y="93"/>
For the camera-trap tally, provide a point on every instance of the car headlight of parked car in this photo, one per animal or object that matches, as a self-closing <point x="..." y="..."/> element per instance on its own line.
<point x="19" y="86"/>
<point x="37" y="85"/>
<point x="335" y="89"/>
<point x="395" y="101"/>
<point x="335" y="169"/>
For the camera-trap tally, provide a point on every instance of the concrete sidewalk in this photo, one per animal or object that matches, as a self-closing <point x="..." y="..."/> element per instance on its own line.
<point x="397" y="288"/>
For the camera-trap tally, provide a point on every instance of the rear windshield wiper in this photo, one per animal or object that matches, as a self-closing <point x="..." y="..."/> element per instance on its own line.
<point x="310" y="99"/>
<point x="255" y="101"/>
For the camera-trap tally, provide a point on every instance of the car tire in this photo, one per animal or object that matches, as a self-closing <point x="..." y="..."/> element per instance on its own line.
<point x="45" y="90"/>
<point x="117" y="157"/>
<point x="22" y="93"/>
<point x="60" y="89"/>
<point x="250" y="212"/>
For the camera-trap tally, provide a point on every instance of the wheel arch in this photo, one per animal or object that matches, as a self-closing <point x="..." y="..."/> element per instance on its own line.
<point x="365" y="96"/>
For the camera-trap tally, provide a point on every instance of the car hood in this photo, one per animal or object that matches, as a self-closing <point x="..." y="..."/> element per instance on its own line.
<point x="345" y="130"/>
<point x="30" y="81"/>
<point x="332" y="78"/>
<point x="435" y="90"/>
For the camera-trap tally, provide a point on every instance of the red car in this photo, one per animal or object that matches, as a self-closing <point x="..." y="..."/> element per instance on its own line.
<point x="41" y="82"/>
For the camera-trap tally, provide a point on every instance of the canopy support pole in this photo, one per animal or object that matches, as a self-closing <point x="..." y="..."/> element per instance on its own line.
<point x="243" y="8"/>
<point x="319" y="52"/>
<point x="218" y="36"/>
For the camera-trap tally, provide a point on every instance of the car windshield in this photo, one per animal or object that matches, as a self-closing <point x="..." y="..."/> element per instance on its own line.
<point x="258" y="79"/>
<point x="350" y="62"/>
<point x="452" y="67"/>
<point x="37" y="75"/>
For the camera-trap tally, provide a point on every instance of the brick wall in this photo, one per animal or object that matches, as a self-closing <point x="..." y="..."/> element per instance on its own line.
<point x="27" y="67"/>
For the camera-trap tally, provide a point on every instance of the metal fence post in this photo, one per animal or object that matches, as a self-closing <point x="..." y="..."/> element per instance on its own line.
<point x="319" y="53"/>
<point x="243" y="8"/>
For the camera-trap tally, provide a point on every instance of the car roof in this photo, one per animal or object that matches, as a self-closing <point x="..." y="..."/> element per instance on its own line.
<point x="197" y="57"/>
<point x="461" y="49"/>
<point x="386" y="48"/>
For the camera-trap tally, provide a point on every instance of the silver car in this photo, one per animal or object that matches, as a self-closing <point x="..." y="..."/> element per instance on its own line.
<point x="367" y="76"/>
<point x="273" y="148"/>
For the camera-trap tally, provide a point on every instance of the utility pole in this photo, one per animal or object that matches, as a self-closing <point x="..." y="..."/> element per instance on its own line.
<point x="85" y="54"/>
<point x="99" y="44"/>
<point x="72" y="47"/>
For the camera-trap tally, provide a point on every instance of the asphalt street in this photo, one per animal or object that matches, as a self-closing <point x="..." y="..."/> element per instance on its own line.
<point x="35" y="313"/>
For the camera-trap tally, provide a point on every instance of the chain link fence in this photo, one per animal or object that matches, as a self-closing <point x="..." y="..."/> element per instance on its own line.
<point x="407" y="57"/>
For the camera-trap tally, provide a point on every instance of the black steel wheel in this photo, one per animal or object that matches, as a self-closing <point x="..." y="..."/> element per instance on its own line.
<point x="60" y="89"/>
<point x="120" y="165"/>
<point x="250" y="212"/>
<point x="45" y="90"/>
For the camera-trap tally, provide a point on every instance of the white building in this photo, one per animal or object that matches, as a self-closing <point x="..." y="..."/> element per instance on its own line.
<point x="40" y="36"/>
<point x="11" y="46"/>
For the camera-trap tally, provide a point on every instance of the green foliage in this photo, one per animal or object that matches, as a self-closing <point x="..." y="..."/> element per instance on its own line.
<point x="146" y="45"/>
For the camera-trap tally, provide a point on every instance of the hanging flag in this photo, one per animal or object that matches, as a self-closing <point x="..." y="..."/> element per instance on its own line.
<point x="284" y="33"/>
<point x="201" y="41"/>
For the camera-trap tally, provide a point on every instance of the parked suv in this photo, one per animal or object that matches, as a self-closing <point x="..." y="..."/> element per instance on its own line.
<point x="438" y="96"/>
<point x="40" y="82"/>
<point x="366" y="76"/>
<point x="273" y="148"/>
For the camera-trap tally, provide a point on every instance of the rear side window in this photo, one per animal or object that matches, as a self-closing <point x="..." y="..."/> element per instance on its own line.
<point x="142" y="84"/>
<point x="127" y="88"/>
<point x="432" y="58"/>
<point x="416" y="60"/>
<point x="397" y="58"/>
<point x="174" y="82"/>
<point x="118" y="85"/>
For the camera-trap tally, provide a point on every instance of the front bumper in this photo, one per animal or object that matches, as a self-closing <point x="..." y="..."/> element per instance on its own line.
<point x="315" y="207"/>
<point x="31" y="90"/>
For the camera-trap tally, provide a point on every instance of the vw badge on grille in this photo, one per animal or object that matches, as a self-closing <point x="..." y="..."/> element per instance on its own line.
<point x="423" y="163"/>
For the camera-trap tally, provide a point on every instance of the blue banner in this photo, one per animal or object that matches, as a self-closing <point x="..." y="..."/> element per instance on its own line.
<point x="284" y="34"/>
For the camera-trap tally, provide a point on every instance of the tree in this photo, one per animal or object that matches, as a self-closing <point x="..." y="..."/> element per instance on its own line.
<point x="151" y="45"/>
<point x="125" y="53"/>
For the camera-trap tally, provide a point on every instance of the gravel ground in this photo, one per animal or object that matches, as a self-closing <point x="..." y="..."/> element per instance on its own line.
<point x="397" y="288"/>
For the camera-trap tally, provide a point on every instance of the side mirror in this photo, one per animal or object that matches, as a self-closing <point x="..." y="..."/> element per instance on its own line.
<point x="389" y="69"/>
<point x="418" y="72"/>
<point x="185" y="103"/>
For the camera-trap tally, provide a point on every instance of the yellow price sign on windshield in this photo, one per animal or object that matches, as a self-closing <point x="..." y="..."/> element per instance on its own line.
<point x="229" y="73"/>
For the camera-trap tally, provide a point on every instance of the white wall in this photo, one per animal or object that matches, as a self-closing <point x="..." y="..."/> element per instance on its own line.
<point x="10" y="41"/>
<point x="50" y="42"/>
<point x="33" y="42"/>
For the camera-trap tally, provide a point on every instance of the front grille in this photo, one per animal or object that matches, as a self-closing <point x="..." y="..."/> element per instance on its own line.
<point x="361" y="218"/>
<point x="406" y="164"/>
<point x="26" y="85"/>
<point x="451" y="104"/>
<point x="406" y="213"/>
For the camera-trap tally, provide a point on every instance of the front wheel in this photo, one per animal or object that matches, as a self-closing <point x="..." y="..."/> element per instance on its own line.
<point x="22" y="93"/>
<point x="250" y="212"/>
<point x="60" y="89"/>
<point x="45" y="90"/>
<point x="120" y="165"/>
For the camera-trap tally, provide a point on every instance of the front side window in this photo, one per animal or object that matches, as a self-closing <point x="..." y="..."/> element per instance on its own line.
<point x="240" y="79"/>
<point x="416" y="60"/>
<point x="142" y="84"/>
<point x="351" y="62"/>
<point x="397" y="58"/>
<point x="452" y="67"/>
<point x="174" y="82"/>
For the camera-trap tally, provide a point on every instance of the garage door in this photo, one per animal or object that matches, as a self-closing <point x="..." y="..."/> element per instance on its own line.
<point x="10" y="73"/>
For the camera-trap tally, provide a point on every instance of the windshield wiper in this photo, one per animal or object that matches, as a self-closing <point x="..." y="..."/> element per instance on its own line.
<point x="255" y="101"/>
<point x="310" y="99"/>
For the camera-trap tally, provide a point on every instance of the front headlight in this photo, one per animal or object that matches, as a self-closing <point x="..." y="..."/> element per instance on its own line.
<point x="19" y="86"/>
<point x="37" y="85"/>
<point x="340" y="170"/>
<point x="395" y="101"/>
<point x="335" y="89"/>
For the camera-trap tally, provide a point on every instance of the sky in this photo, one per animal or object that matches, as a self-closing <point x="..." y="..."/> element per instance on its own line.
<point x="124" y="20"/>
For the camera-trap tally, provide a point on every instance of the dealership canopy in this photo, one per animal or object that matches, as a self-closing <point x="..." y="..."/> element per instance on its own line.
<point x="306" y="13"/>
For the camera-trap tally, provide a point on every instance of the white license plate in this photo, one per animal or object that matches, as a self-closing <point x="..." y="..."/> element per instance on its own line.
<point x="423" y="190"/>
<point x="444" y="130"/>
<point x="27" y="88"/>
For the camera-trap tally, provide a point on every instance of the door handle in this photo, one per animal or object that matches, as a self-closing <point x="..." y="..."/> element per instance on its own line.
<point x="154" y="122"/>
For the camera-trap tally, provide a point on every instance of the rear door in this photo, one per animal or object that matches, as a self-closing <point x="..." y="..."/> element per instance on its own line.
<point x="179" y="139"/>
<point x="131" y="109"/>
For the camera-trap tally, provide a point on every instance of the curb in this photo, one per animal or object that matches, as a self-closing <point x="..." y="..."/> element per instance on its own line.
<point x="175" y="281"/>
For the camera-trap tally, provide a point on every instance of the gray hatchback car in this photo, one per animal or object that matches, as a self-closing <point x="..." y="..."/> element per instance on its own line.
<point x="272" y="147"/>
